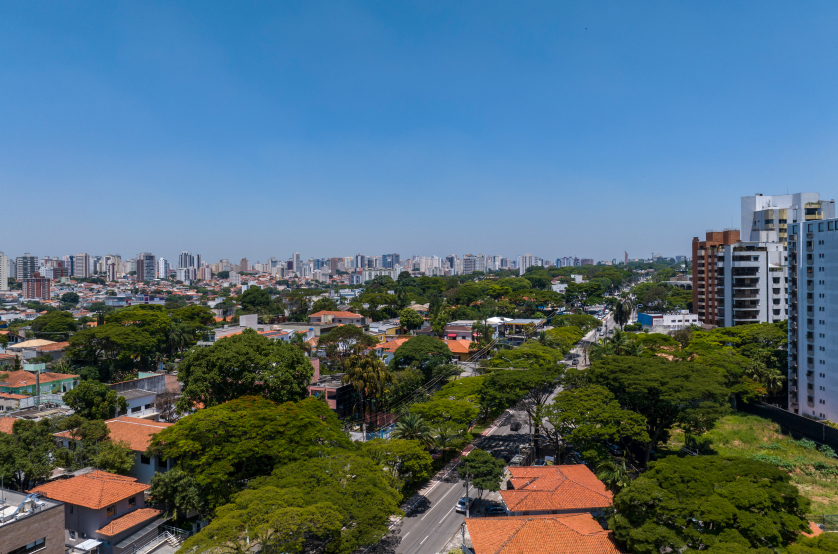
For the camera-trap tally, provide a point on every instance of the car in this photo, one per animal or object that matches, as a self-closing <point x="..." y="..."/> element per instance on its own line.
<point x="464" y="502"/>
<point x="575" y="362"/>
<point x="515" y="426"/>
<point x="540" y="463"/>
<point x="495" y="511"/>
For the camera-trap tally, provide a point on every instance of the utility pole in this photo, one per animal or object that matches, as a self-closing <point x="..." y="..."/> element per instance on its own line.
<point x="468" y="500"/>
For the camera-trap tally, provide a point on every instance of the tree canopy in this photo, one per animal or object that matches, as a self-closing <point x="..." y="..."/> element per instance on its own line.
<point x="242" y="365"/>
<point x="94" y="400"/>
<point x="422" y="351"/>
<point x="55" y="325"/>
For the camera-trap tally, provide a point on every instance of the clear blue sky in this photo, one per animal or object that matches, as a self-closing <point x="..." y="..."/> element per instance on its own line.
<point x="257" y="129"/>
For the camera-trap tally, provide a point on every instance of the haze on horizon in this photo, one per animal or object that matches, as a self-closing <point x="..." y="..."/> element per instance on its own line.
<point x="331" y="128"/>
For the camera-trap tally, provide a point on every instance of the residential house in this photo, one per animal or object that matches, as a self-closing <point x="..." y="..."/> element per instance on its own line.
<point x="138" y="434"/>
<point x="141" y="403"/>
<point x="458" y="332"/>
<point x="24" y="382"/>
<point x="342" y="318"/>
<point x="30" y="524"/>
<point x="546" y="534"/>
<point x="559" y="489"/>
<point x="461" y="348"/>
<point x="100" y="506"/>
<point x="10" y="402"/>
<point x="338" y="395"/>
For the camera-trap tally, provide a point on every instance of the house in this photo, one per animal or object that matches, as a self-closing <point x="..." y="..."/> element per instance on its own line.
<point x="30" y="524"/>
<point x="6" y="424"/>
<point x="460" y="349"/>
<point x="458" y="332"/>
<point x="386" y="350"/>
<point x="545" y="534"/>
<point x="557" y="489"/>
<point x="141" y="403"/>
<point x="666" y="323"/>
<point x="421" y="309"/>
<point x="138" y="434"/>
<point x="24" y="382"/>
<point x="342" y="318"/>
<point x="10" y="401"/>
<point x="338" y="395"/>
<point x="100" y="506"/>
<point x="38" y="347"/>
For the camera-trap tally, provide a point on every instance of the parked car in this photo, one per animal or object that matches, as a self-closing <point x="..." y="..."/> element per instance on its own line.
<point x="495" y="511"/>
<point x="515" y="425"/>
<point x="614" y="449"/>
<point x="464" y="502"/>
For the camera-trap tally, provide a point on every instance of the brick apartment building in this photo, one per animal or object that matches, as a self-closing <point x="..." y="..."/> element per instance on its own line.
<point x="37" y="287"/>
<point x="706" y="273"/>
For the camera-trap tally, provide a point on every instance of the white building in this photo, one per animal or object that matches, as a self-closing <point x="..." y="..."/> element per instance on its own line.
<point x="666" y="323"/>
<point x="162" y="268"/>
<point x="4" y="272"/>
<point x="370" y="274"/>
<point x="524" y="262"/>
<point x="766" y="218"/>
<point x="813" y="319"/>
<point x="752" y="283"/>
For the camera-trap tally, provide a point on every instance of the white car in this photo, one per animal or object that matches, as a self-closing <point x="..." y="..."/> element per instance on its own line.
<point x="463" y="502"/>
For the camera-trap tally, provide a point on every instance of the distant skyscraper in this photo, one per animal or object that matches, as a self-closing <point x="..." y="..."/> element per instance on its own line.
<point x="110" y="270"/>
<point x="146" y="267"/>
<point x="524" y="262"/>
<point x="186" y="259"/>
<point x="36" y="287"/>
<point x="163" y="268"/>
<point x="27" y="265"/>
<point x="626" y="258"/>
<point x="4" y="272"/>
<point x="82" y="266"/>
<point x="295" y="263"/>
<point x="389" y="261"/>
<point x="244" y="266"/>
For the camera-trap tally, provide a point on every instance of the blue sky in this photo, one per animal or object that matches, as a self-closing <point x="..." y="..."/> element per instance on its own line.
<point x="330" y="128"/>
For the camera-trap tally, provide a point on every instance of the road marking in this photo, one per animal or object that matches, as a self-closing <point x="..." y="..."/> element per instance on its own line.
<point x="423" y="540"/>
<point x="406" y="534"/>
<point x="446" y="515"/>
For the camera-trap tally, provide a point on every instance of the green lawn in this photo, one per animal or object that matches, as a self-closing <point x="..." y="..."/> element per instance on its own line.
<point x="814" y="473"/>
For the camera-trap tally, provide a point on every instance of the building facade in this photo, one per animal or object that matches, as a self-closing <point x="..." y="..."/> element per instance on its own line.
<point x="705" y="277"/>
<point x="766" y="218"/>
<point x="752" y="285"/>
<point x="26" y="266"/>
<point x="81" y="267"/>
<point x="4" y="272"/>
<point x="146" y="267"/>
<point x="813" y="319"/>
<point x="37" y="287"/>
<point x="37" y="525"/>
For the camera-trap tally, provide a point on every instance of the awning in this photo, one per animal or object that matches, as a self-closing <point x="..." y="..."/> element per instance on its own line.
<point x="87" y="545"/>
<point x="452" y="335"/>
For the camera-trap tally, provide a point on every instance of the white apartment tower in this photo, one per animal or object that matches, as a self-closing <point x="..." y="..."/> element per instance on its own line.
<point x="4" y="272"/>
<point x="163" y="268"/>
<point x="813" y="319"/>
<point x="81" y="268"/>
<point x="524" y="262"/>
<point x="26" y="266"/>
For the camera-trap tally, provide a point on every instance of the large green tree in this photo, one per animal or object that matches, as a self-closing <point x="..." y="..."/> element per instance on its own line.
<point x="27" y="455"/>
<point x="242" y="365"/>
<point x="342" y="342"/>
<point x="709" y="503"/>
<point x="410" y="319"/>
<point x="667" y="394"/>
<point x="223" y="446"/>
<point x="406" y="460"/>
<point x="425" y="352"/>
<point x="94" y="400"/>
<point x="56" y="325"/>
<point x="503" y="388"/>
<point x="483" y="470"/>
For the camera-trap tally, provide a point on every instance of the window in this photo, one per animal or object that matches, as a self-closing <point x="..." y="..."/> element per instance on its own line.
<point x="148" y="406"/>
<point x="144" y="459"/>
<point x="136" y="409"/>
<point x="132" y="501"/>
<point x="71" y="508"/>
<point x="72" y="535"/>
<point x="39" y="544"/>
<point x="111" y="511"/>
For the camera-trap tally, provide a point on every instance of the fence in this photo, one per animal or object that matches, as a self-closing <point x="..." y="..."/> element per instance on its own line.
<point x="795" y="425"/>
<point x="828" y="523"/>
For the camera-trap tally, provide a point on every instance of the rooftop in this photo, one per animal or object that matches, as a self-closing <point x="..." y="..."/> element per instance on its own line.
<point x="136" y="432"/>
<point x="133" y="394"/>
<point x="10" y="500"/>
<point x="127" y="521"/>
<point x="562" y="487"/>
<point x="21" y="378"/>
<point x="94" y="490"/>
<point x="548" y="534"/>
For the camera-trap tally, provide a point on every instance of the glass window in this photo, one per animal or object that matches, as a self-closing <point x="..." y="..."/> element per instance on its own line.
<point x="144" y="459"/>
<point x="31" y="547"/>
<point x="132" y="501"/>
<point x="811" y="228"/>
<point x="111" y="511"/>
<point x="820" y="226"/>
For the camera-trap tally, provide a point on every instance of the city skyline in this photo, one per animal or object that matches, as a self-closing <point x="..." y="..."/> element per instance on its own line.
<point x="232" y="129"/>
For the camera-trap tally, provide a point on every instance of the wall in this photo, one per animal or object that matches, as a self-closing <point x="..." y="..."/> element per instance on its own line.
<point x="49" y="523"/>
<point x="796" y="425"/>
<point x="155" y="384"/>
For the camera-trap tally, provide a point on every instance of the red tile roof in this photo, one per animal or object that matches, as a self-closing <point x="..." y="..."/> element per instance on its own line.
<point x="53" y="347"/>
<point x="559" y="488"/>
<point x="548" y="534"/>
<point x="458" y="346"/>
<point x="6" y="424"/>
<point x="23" y="378"/>
<point x="94" y="490"/>
<point x="336" y="314"/>
<point x="127" y="521"/>
<point x="135" y="431"/>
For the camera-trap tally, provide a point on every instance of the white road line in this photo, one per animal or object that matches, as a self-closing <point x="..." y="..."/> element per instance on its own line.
<point x="406" y="534"/>
<point x="446" y="515"/>
<point x="423" y="540"/>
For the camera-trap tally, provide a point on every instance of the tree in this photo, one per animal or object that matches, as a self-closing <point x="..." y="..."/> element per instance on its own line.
<point x="241" y="365"/>
<point x="27" y="455"/>
<point x="70" y="298"/>
<point x="410" y="319"/>
<point x="55" y="325"/>
<point x="667" y="394"/>
<point x="179" y="491"/>
<point x="94" y="400"/>
<point x="613" y="475"/>
<point x="423" y="351"/>
<point x="502" y="388"/>
<point x="826" y="543"/>
<point x="344" y="341"/>
<point x="406" y="460"/>
<point x="439" y="409"/>
<point x="255" y="300"/>
<point x="622" y="313"/>
<point x="324" y="305"/>
<point x="413" y="427"/>
<point x="483" y="470"/>
<point x="114" y="457"/>
<point x="709" y="503"/>
<point x="450" y="436"/>
<point x="590" y="415"/>
<point x="369" y="376"/>
<point x="533" y="404"/>
<point x="223" y="446"/>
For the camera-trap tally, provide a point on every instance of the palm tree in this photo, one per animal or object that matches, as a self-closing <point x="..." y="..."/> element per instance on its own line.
<point x="368" y="375"/>
<point x="613" y="475"/>
<point x="413" y="427"/>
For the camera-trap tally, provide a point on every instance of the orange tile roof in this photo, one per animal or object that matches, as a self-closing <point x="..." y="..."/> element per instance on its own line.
<point x="550" y="534"/>
<point x="23" y="378"/>
<point x="335" y="314"/>
<point x="392" y="345"/>
<point x="53" y="347"/>
<point x="135" y="431"/>
<point x="458" y="346"/>
<point x="94" y="490"/>
<point x="127" y="521"/>
<point x="6" y="424"/>
<point x="563" y="487"/>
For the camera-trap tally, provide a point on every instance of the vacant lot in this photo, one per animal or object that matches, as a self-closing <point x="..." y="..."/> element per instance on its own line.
<point x="814" y="471"/>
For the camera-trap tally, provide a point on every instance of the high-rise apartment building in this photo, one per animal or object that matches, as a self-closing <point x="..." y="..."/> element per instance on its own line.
<point x="111" y="270"/>
<point x="186" y="259"/>
<point x="26" y="266"/>
<point x="705" y="278"/>
<point x="334" y="265"/>
<point x="751" y="283"/>
<point x="524" y="262"/>
<point x="146" y="267"/>
<point x="244" y="265"/>
<point x="296" y="262"/>
<point x="163" y="268"/>
<point x="389" y="261"/>
<point x="36" y="287"/>
<point x="813" y="318"/>
<point x="765" y="218"/>
<point x="81" y="268"/>
<point x="587" y="261"/>
<point x="4" y="272"/>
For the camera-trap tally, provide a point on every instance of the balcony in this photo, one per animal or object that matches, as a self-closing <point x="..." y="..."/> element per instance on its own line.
<point x="810" y="376"/>
<point x="810" y="286"/>
<point x="810" y="401"/>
